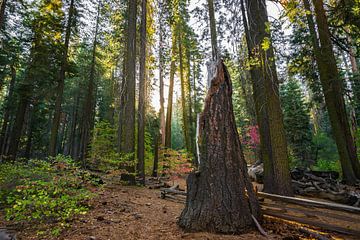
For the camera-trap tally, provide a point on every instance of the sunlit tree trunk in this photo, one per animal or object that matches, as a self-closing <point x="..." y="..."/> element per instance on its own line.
<point x="127" y="111"/>
<point x="267" y="102"/>
<point x="171" y="91"/>
<point x="185" y="118"/>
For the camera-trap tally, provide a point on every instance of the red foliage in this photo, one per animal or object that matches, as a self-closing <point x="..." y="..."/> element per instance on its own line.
<point x="251" y="139"/>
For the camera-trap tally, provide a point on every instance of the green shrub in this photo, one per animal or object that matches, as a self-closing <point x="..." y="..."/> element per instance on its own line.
<point x="326" y="165"/>
<point x="103" y="154"/>
<point x="44" y="191"/>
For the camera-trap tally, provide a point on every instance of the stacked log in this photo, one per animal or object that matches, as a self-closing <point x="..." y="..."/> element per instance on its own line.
<point x="317" y="184"/>
<point x="325" y="185"/>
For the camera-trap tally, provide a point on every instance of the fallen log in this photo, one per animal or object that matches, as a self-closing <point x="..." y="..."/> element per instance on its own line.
<point x="310" y="203"/>
<point x="311" y="212"/>
<point x="311" y="223"/>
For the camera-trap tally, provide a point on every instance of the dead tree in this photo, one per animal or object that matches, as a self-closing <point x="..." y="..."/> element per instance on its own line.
<point x="220" y="196"/>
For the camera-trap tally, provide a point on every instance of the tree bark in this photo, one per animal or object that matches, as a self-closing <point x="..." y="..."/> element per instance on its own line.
<point x="171" y="91"/>
<point x="216" y="197"/>
<point x="17" y="128"/>
<point x="127" y="110"/>
<point x="266" y="96"/>
<point x="214" y="45"/>
<point x="333" y="92"/>
<point x="60" y="86"/>
<point x="7" y="109"/>
<point x="184" y="96"/>
<point x="142" y="94"/>
<point x="161" y="79"/>
<point x="89" y="104"/>
<point x="262" y="118"/>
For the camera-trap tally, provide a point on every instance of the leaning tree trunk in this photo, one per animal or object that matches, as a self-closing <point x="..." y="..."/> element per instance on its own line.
<point x="217" y="200"/>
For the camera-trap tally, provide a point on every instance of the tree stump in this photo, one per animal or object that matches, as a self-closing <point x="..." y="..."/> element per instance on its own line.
<point x="220" y="196"/>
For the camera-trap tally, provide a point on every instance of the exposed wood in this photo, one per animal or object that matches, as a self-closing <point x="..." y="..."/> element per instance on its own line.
<point x="311" y="203"/>
<point x="311" y="211"/>
<point x="221" y="181"/>
<point x="311" y="222"/>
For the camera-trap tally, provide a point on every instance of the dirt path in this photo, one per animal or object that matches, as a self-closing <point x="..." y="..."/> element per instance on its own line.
<point x="123" y="212"/>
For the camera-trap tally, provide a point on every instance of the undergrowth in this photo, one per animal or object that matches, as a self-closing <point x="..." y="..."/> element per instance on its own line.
<point x="40" y="191"/>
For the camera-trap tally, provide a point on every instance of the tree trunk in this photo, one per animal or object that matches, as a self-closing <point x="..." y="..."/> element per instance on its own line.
<point x="127" y="137"/>
<point x="17" y="128"/>
<point x="171" y="91"/>
<point x="185" y="117"/>
<point x="72" y="137"/>
<point x="60" y="87"/>
<point x="89" y="104"/>
<point x="2" y="14"/>
<point x="190" y="104"/>
<point x="7" y="109"/>
<point x="333" y="92"/>
<point x="30" y="132"/>
<point x="217" y="200"/>
<point x="142" y="94"/>
<point x="214" y="45"/>
<point x="267" y="103"/>
<point x="156" y="156"/>
<point x="161" y="78"/>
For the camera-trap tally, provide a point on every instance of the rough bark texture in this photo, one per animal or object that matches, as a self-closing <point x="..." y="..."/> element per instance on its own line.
<point x="142" y="95"/>
<point x="266" y="96"/>
<point x="126" y="131"/>
<point x="128" y="127"/>
<point x="216" y="200"/>
<point x="333" y="92"/>
<point x="261" y="111"/>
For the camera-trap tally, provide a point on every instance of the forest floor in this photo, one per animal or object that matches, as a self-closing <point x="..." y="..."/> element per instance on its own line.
<point x="124" y="212"/>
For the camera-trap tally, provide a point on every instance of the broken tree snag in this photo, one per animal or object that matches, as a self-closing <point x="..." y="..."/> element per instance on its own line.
<point x="217" y="200"/>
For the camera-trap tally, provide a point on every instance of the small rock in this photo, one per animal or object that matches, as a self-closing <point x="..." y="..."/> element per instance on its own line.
<point x="92" y="238"/>
<point x="148" y="204"/>
<point x="137" y="216"/>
